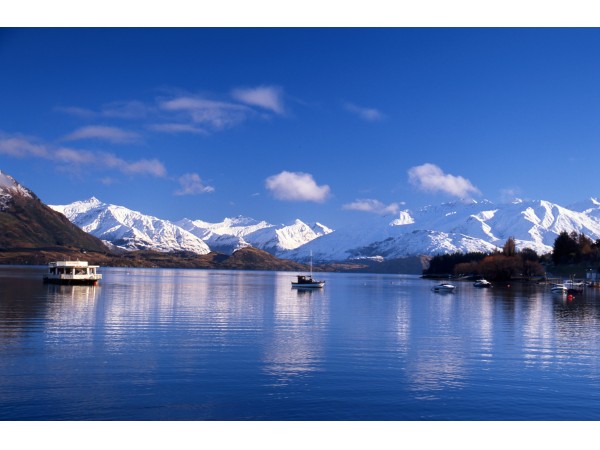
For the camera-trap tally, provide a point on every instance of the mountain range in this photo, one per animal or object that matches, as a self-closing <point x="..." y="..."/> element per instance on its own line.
<point x="462" y="226"/>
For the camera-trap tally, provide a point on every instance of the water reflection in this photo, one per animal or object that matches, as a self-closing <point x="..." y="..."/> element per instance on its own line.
<point x="300" y="320"/>
<point x="193" y="344"/>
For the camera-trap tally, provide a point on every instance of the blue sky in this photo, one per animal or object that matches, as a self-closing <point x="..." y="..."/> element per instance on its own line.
<point x="327" y="124"/>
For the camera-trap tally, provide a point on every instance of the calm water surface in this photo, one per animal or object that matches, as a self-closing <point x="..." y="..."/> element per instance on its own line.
<point x="157" y="344"/>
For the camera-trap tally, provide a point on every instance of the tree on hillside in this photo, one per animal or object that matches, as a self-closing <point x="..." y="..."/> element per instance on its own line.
<point x="510" y="247"/>
<point x="565" y="248"/>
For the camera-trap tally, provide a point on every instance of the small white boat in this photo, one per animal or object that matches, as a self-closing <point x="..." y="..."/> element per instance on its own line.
<point x="443" y="287"/>
<point x="483" y="283"/>
<point x="72" y="272"/>
<point x="559" y="289"/>
<point x="574" y="287"/>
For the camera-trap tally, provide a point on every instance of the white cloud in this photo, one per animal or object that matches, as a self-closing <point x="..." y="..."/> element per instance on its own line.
<point x="111" y="134"/>
<point x="21" y="147"/>
<point x="430" y="178"/>
<point x="296" y="186"/>
<point x="104" y="160"/>
<point x="217" y="114"/>
<point x="267" y="97"/>
<point x="368" y="114"/>
<point x="373" y="206"/>
<point x="191" y="184"/>
<point x="144" y="167"/>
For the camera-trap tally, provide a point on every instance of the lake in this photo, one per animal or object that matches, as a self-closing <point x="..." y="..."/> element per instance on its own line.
<point x="168" y="345"/>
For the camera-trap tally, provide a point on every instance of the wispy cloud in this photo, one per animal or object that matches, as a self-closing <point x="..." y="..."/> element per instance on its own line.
<point x="368" y="114"/>
<point x="267" y="97"/>
<point x="179" y="112"/>
<point x="104" y="160"/>
<point x="430" y="178"/>
<point x="175" y="128"/>
<point x="296" y="186"/>
<point x="191" y="184"/>
<point x="21" y="147"/>
<point x="77" y="111"/>
<point x="132" y="109"/>
<point x="373" y="206"/>
<point x="217" y="114"/>
<point x="111" y="134"/>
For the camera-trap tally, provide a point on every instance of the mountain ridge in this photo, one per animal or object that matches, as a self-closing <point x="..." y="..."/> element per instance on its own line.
<point x="26" y="222"/>
<point x="434" y="229"/>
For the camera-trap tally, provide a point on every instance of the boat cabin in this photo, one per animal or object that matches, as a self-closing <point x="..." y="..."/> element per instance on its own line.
<point x="72" y="272"/>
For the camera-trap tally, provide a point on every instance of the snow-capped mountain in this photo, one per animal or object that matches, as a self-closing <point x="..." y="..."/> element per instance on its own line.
<point x="27" y="223"/>
<point x="226" y="236"/>
<point x="456" y="227"/>
<point x="279" y="240"/>
<point x="9" y="187"/>
<point x="233" y="233"/>
<point x="130" y="230"/>
<point x="446" y="228"/>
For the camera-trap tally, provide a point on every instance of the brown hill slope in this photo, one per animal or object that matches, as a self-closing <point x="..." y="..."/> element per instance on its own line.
<point x="26" y="222"/>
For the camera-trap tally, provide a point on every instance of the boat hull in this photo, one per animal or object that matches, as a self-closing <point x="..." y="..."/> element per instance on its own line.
<point x="308" y="285"/>
<point x="71" y="281"/>
<point x="443" y="288"/>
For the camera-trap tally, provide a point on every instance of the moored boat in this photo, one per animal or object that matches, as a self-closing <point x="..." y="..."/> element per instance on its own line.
<point x="558" y="289"/>
<point x="443" y="287"/>
<point x="482" y="283"/>
<point x="307" y="282"/>
<point x="574" y="287"/>
<point x="72" y="272"/>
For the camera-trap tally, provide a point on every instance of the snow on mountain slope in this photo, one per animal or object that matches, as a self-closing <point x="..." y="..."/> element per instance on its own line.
<point x="234" y="233"/>
<point x="8" y="188"/>
<point x="446" y="228"/>
<point x="456" y="227"/>
<point x="277" y="240"/>
<point x="130" y="230"/>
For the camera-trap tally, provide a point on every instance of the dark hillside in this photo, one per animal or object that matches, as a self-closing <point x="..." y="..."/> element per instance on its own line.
<point x="26" y="222"/>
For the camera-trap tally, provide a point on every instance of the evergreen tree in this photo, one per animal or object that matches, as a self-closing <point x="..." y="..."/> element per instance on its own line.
<point x="565" y="248"/>
<point x="510" y="247"/>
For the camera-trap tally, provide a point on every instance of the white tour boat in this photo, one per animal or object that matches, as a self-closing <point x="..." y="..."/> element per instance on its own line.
<point x="72" y="272"/>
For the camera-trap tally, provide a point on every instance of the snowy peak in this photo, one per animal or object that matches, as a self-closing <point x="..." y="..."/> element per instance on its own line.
<point x="130" y="230"/>
<point x="456" y="227"/>
<point x="9" y="188"/>
<point x="404" y="219"/>
<point x="234" y="233"/>
<point x="446" y="228"/>
<point x="286" y="237"/>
